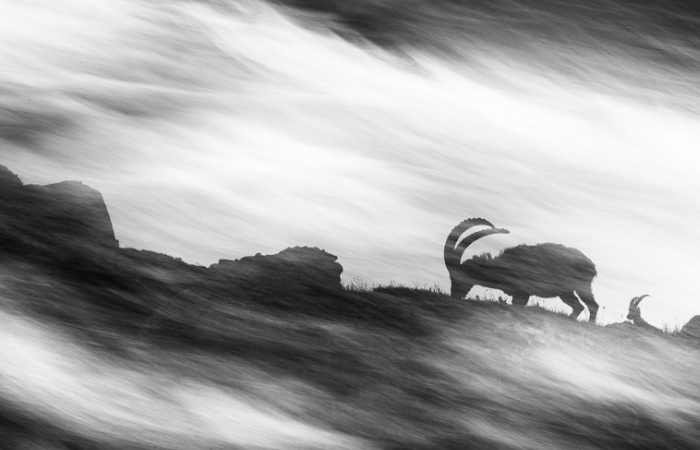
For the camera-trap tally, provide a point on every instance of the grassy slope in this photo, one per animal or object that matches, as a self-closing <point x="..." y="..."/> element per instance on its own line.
<point x="393" y="368"/>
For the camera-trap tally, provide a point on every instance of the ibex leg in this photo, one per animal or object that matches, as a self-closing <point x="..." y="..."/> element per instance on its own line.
<point x="459" y="291"/>
<point x="571" y="300"/>
<point x="520" y="299"/>
<point x="587" y="298"/>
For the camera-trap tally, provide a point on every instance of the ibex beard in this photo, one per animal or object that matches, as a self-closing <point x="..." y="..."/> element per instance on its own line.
<point x="543" y="270"/>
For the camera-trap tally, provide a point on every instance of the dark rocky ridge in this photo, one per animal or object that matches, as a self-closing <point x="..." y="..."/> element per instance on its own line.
<point x="67" y="225"/>
<point x="65" y="230"/>
<point x="8" y="180"/>
<point x="299" y="269"/>
<point x="692" y="328"/>
<point x="65" y="214"/>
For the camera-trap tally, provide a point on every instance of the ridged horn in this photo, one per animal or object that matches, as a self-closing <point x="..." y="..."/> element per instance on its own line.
<point x="469" y="240"/>
<point x="452" y="259"/>
<point x="637" y="300"/>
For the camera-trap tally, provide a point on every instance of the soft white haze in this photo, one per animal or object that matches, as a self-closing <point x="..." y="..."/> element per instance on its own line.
<point x="218" y="130"/>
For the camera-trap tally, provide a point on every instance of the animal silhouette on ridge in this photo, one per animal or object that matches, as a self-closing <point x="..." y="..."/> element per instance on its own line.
<point x="544" y="270"/>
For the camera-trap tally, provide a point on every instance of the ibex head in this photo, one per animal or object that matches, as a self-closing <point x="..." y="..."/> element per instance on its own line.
<point x="635" y="314"/>
<point x="545" y="270"/>
<point x="463" y="280"/>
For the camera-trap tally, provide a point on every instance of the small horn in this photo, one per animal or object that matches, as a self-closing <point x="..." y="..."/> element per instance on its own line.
<point x="635" y="314"/>
<point x="637" y="300"/>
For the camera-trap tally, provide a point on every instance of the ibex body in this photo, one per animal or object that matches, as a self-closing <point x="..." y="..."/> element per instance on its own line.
<point x="544" y="270"/>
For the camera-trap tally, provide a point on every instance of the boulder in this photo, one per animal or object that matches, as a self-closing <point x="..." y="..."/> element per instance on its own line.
<point x="73" y="209"/>
<point x="8" y="179"/>
<point x="297" y="269"/>
<point x="43" y="218"/>
<point x="692" y="328"/>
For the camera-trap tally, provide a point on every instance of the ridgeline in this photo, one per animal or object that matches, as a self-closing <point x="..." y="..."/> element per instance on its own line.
<point x="390" y="368"/>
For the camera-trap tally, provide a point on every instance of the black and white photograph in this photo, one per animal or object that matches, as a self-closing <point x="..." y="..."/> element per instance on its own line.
<point x="349" y="224"/>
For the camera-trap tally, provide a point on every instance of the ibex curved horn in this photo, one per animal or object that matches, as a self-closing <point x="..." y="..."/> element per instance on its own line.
<point x="453" y="253"/>
<point x="637" y="300"/>
<point x="544" y="270"/>
<point x="635" y="313"/>
<point x="469" y="240"/>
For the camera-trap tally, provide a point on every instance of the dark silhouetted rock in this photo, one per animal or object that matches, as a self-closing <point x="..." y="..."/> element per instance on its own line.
<point x="298" y="270"/>
<point x="71" y="208"/>
<point x="692" y="328"/>
<point x="65" y="229"/>
<point x="8" y="180"/>
<point x="40" y="218"/>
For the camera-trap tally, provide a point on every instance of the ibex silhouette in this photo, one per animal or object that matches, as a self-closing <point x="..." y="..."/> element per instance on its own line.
<point x="544" y="270"/>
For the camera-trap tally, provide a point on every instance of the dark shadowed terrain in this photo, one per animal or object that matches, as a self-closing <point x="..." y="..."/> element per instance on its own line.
<point x="118" y="348"/>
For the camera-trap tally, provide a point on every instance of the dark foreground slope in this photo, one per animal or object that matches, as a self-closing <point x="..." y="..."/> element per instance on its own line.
<point x="115" y="348"/>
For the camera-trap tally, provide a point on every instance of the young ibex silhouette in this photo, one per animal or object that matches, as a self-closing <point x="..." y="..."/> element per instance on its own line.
<point x="544" y="270"/>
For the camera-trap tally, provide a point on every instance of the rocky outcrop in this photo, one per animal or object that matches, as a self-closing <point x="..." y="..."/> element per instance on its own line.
<point x="692" y="328"/>
<point x="8" y="180"/>
<point x="297" y="269"/>
<point x="43" y="217"/>
<point x="71" y="208"/>
<point x="67" y="226"/>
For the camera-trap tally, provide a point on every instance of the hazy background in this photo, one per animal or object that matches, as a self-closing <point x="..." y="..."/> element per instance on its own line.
<point x="218" y="129"/>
